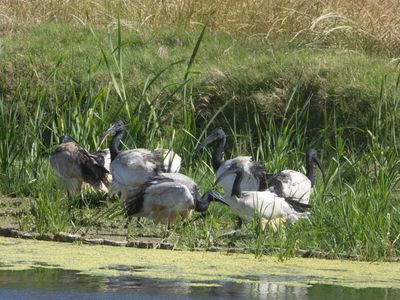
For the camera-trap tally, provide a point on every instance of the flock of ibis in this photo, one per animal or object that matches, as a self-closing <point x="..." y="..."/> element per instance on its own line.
<point x="150" y="185"/>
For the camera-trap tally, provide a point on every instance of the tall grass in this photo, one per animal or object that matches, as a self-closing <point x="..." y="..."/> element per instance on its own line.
<point x="357" y="24"/>
<point x="355" y="211"/>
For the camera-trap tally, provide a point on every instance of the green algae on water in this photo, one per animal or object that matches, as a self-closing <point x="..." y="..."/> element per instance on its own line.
<point x="201" y="267"/>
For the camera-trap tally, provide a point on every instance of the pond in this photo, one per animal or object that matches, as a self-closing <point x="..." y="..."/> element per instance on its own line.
<point x="42" y="283"/>
<point x="47" y="270"/>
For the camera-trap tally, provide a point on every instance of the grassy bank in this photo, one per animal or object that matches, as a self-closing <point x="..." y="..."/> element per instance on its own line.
<point x="274" y="100"/>
<point x="58" y="60"/>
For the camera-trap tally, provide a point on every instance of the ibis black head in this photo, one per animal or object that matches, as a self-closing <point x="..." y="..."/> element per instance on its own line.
<point x="202" y="203"/>
<point x="116" y="131"/>
<point x="65" y="139"/>
<point x="216" y="135"/>
<point x="311" y="158"/>
<point x="115" y="128"/>
<point x="219" y="136"/>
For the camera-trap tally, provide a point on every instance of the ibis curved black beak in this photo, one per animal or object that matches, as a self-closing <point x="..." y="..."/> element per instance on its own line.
<point x="215" y="196"/>
<point x="103" y="137"/>
<point x="216" y="134"/>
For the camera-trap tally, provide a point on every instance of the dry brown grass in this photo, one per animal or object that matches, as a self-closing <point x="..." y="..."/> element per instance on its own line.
<point x="369" y="24"/>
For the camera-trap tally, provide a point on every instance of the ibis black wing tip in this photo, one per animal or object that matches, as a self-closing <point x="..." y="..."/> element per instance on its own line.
<point x="298" y="206"/>
<point x="134" y="203"/>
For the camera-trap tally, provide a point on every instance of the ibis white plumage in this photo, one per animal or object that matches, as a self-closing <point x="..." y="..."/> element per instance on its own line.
<point x="166" y="197"/>
<point x="254" y="175"/>
<point x="265" y="204"/>
<point x="294" y="184"/>
<point x="75" y="166"/>
<point x="103" y="157"/>
<point x="132" y="168"/>
<point x="171" y="162"/>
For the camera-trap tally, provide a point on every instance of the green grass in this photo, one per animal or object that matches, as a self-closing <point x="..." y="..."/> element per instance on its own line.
<point x="274" y="102"/>
<point x="52" y="57"/>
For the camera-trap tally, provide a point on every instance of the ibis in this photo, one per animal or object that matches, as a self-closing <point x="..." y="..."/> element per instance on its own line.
<point x="75" y="166"/>
<point x="265" y="204"/>
<point x="294" y="184"/>
<point x="132" y="168"/>
<point x="254" y="175"/>
<point x="166" y="197"/>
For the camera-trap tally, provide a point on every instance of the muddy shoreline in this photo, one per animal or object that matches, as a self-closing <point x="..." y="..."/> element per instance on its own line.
<point x="152" y="243"/>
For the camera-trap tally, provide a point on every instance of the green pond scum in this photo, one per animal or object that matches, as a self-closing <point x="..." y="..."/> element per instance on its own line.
<point x="201" y="267"/>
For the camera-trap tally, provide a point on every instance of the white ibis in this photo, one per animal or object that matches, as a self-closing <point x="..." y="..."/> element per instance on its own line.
<point x="75" y="166"/>
<point x="132" y="168"/>
<point x="294" y="184"/>
<point x="166" y="197"/>
<point x="171" y="162"/>
<point x="254" y="175"/>
<point x="265" y="204"/>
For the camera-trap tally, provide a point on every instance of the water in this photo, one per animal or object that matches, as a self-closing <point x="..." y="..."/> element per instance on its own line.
<point x="49" y="283"/>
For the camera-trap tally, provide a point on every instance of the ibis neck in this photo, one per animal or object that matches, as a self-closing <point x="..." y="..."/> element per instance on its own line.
<point x="236" y="185"/>
<point x="201" y="203"/>
<point x="114" y="144"/>
<point x="310" y="169"/>
<point x="217" y="155"/>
